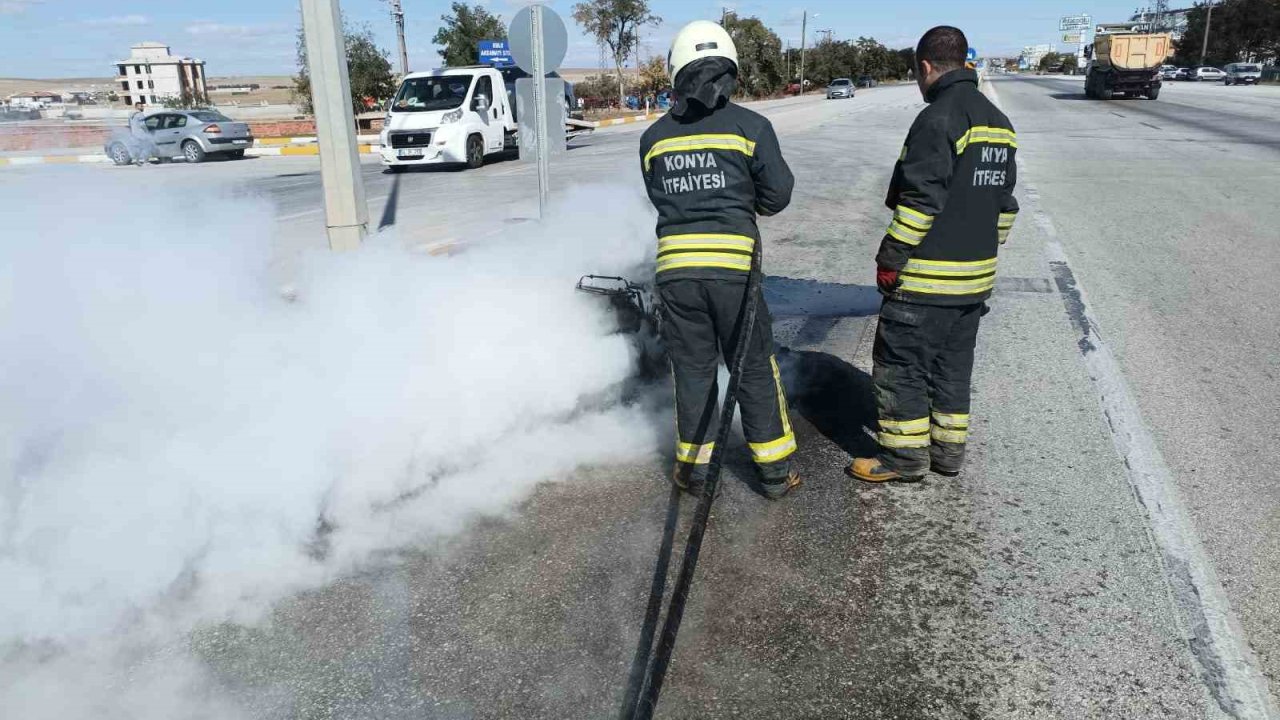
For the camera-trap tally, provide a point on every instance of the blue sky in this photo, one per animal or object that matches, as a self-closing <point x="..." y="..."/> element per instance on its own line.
<point x="70" y="38"/>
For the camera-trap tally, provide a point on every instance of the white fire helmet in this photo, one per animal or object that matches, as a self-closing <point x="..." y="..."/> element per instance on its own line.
<point x="699" y="39"/>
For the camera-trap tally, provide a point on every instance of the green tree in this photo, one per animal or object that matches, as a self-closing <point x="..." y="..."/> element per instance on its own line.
<point x="1241" y="30"/>
<point x="1050" y="60"/>
<point x="615" y="25"/>
<point x="188" y="100"/>
<point x="460" y="35"/>
<point x="761" y="67"/>
<point x="653" y="75"/>
<point x="367" y="66"/>
<point x="1069" y="63"/>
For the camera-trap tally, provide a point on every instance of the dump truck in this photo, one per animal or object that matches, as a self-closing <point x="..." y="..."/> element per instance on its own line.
<point x="1126" y="64"/>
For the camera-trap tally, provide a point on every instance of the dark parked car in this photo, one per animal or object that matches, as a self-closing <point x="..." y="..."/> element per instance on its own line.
<point x="866" y="81"/>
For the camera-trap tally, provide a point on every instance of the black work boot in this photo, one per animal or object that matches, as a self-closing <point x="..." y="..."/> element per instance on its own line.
<point x="776" y="489"/>
<point x="946" y="459"/>
<point x="690" y="478"/>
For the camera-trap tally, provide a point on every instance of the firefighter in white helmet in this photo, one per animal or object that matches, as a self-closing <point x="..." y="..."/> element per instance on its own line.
<point x="711" y="167"/>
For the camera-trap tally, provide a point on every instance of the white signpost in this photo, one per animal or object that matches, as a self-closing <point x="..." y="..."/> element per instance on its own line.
<point x="539" y="41"/>
<point x="1078" y="32"/>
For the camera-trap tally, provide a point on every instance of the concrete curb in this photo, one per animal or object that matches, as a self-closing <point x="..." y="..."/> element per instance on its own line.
<point x="282" y="141"/>
<point x="299" y="150"/>
<point x="629" y="120"/>
<point x="97" y="159"/>
<point x="53" y="160"/>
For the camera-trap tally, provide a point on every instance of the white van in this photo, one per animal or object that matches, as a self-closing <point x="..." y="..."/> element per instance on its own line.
<point x="449" y="115"/>
<point x="1243" y="74"/>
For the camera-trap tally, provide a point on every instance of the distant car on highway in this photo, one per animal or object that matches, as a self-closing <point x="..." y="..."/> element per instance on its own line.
<point x="866" y="81"/>
<point x="1211" y="74"/>
<point x="190" y="134"/>
<point x="1242" y="74"/>
<point x="840" y="88"/>
<point x="1182" y="74"/>
<point x="1168" y="72"/>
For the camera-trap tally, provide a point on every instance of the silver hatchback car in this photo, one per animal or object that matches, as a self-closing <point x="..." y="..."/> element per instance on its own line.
<point x="189" y="134"/>
<point x="840" y="88"/>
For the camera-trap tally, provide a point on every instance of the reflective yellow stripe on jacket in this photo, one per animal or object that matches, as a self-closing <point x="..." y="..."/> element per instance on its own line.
<point x="945" y="277"/>
<point x="909" y="226"/>
<point x="985" y="134"/>
<point x="687" y="143"/>
<point x="1005" y="224"/>
<point x="730" y="252"/>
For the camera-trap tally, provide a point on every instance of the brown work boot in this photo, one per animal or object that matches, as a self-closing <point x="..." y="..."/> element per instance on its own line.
<point x="780" y="489"/>
<point x="872" y="471"/>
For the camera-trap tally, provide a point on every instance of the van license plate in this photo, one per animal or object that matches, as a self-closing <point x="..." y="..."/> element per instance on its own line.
<point x="240" y="142"/>
<point x="411" y="152"/>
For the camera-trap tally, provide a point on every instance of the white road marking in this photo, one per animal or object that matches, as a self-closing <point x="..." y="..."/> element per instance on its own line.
<point x="1217" y="640"/>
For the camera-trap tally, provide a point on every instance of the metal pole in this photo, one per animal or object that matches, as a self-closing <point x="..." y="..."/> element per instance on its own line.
<point x="540" y="110"/>
<point x="804" y="29"/>
<point x="397" y="12"/>
<point x="1208" y="22"/>
<point x="345" y="209"/>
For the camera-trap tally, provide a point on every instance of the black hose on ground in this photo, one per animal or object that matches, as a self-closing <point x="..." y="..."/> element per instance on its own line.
<point x="641" y="699"/>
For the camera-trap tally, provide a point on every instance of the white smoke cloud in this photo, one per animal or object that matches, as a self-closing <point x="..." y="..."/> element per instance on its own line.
<point x="172" y="429"/>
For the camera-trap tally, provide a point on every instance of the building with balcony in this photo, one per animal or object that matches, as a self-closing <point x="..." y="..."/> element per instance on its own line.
<point x="151" y="74"/>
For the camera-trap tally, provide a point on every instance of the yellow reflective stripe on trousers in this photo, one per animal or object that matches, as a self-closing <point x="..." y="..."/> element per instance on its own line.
<point x="695" y="454"/>
<point x="930" y="286"/>
<point x="687" y="143"/>
<point x="985" y="134"/>
<point x="774" y="450"/>
<point x="906" y="427"/>
<point x="949" y="436"/>
<point x="954" y="421"/>
<point x="783" y="447"/>
<point x="891" y="440"/>
<point x="950" y="268"/>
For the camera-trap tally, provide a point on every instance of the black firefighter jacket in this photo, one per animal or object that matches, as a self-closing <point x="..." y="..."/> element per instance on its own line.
<point x="709" y="173"/>
<point x="951" y="196"/>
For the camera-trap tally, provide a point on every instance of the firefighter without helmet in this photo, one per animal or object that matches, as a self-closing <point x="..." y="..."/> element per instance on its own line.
<point x="699" y="39"/>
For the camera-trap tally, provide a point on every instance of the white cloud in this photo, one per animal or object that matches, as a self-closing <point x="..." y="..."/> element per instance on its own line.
<point x="230" y="31"/>
<point x="17" y="7"/>
<point x="120" y="21"/>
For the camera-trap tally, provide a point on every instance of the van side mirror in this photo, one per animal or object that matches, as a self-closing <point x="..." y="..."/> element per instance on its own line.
<point x="481" y="103"/>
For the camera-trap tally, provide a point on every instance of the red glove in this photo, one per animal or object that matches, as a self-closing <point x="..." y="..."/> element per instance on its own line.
<point x="887" y="280"/>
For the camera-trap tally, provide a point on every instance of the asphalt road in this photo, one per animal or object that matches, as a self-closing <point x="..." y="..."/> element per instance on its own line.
<point x="1032" y="587"/>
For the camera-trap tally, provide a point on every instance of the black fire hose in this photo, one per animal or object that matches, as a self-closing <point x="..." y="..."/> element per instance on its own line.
<point x="643" y="690"/>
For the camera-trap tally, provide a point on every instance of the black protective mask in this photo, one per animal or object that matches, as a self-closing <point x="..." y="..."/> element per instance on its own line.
<point x="704" y="86"/>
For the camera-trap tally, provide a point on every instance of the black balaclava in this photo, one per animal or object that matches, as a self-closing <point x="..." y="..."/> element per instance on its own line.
<point x="704" y="86"/>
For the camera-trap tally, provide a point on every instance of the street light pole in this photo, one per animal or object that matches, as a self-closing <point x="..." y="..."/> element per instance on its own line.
<point x="804" y="30"/>
<point x="397" y="12"/>
<point x="346" y="211"/>
<point x="1208" y="22"/>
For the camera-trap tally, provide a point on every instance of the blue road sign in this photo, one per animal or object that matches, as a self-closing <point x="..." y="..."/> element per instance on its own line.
<point x="496" y="53"/>
<point x="973" y="55"/>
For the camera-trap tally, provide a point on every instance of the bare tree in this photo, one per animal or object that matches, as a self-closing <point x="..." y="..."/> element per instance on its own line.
<point x="615" y="24"/>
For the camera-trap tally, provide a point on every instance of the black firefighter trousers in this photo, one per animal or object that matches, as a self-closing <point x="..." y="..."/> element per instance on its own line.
<point x="701" y="323"/>
<point x="923" y="358"/>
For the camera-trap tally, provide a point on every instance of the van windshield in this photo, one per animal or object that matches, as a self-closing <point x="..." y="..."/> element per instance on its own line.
<point x="442" y="92"/>
<point x="1248" y="68"/>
